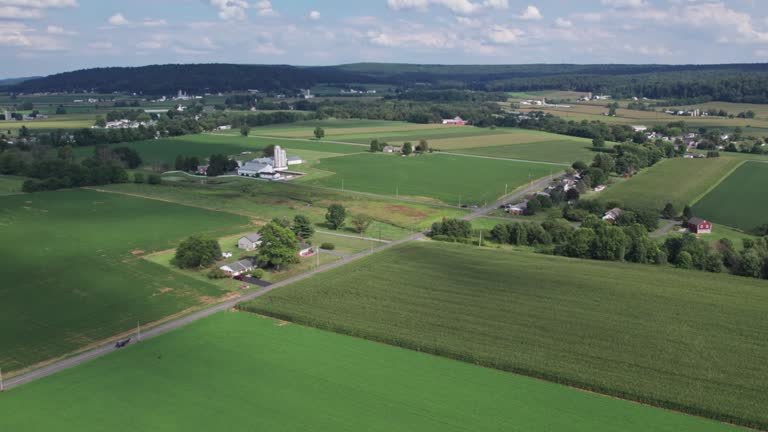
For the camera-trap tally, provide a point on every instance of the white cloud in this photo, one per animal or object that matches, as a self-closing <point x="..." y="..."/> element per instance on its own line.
<point x="314" y="15"/>
<point x="40" y="4"/>
<point x="624" y="3"/>
<point x="118" y="19"/>
<point x="264" y="8"/>
<point x="15" y="34"/>
<point x="58" y="30"/>
<point x="530" y="13"/>
<point x="503" y="35"/>
<point x="455" y="6"/>
<point x="13" y="12"/>
<point x="656" y="51"/>
<point x="563" y="23"/>
<point x="267" y="48"/>
<point x="151" y="22"/>
<point x="394" y="38"/>
<point x="231" y="9"/>
<point x="30" y="9"/>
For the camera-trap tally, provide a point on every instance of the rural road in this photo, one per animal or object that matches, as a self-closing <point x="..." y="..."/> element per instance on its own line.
<point x="665" y="229"/>
<point x="152" y="332"/>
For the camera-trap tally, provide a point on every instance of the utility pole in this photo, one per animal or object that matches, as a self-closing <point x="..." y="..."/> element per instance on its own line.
<point x="481" y="238"/>
<point x="506" y="189"/>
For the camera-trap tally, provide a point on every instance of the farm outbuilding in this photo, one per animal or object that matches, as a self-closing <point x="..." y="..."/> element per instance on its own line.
<point x="249" y="242"/>
<point x="699" y="226"/>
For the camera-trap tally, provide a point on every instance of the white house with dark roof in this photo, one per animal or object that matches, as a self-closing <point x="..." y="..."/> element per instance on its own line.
<point x="238" y="268"/>
<point x="249" y="242"/>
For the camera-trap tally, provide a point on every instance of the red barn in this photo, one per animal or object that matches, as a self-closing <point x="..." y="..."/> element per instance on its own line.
<point x="458" y="121"/>
<point x="699" y="226"/>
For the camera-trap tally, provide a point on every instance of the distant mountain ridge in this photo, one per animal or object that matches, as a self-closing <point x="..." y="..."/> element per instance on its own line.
<point x="14" y="81"/>
<point x="728" y="82"/>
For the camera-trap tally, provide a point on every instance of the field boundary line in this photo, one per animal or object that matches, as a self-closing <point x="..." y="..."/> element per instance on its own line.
<point x="720" y="181"/>
<point x="291" y="139"/>
<point x="500" y="158"/>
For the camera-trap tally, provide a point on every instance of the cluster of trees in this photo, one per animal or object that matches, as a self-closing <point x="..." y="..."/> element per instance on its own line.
<point x="219" y="164"/>
<point x="197" y="252"/>
<point x="630" y="241"/>
<point x="61" y="172"/>
<point x="455" y="230"/>
<point x="451" y="96"/>
<point x="186" y="163"/>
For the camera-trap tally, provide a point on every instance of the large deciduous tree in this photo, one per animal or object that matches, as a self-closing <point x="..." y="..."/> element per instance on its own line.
<point x="279" y="245"/>
<point x="336" y="216"/>
<point x="196" y="252"/>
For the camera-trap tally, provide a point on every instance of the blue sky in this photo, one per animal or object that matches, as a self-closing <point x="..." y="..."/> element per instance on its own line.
<point x="39" y="37"/>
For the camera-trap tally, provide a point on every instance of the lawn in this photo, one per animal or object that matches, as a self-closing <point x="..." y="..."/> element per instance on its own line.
<point x="258" y="374"/>
<point x="442" y="177"/>
<point x="740" y="200"/>
<point x="681" y="339"/>
<point x="71" y="273"/>
<point x="679" y="181"/>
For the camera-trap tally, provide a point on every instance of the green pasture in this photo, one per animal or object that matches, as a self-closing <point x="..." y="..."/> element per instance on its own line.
<point x="740" y="200"/>
<point x="447" y="178"/>
<point x="71" y="273"/>
<point x="679" y="181"/>
<point x="684" y="340"/>
<point x="236" y="371"/>
<point x="164" y="151"/>
<point x="262" y="201"/>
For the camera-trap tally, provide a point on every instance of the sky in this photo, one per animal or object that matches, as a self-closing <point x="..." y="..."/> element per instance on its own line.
<point x="41" y="37"/>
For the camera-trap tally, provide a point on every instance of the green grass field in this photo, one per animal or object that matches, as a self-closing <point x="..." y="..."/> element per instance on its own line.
<point x="679" y="181"/>
<point x="740" y="200"/>
<point x="564" y="151"/>
<point x="263" y="201"/>
<point x="236" y="371"/>
<point x="204" y="145"/>
<point x="680" y="339"/>
<point x="450" y="179"/>
<point x="71" y="273"/>
<point x="501" y="142"/>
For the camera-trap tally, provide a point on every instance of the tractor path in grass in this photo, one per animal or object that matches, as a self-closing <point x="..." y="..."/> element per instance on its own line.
<point x="109" y="345"/>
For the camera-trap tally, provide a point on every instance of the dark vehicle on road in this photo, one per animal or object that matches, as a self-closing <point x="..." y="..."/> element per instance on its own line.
<point x="122" y="343"/>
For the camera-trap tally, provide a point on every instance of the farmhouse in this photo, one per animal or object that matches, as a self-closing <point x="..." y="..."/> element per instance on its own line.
<point x="391" y="149"/>
<point x="640" y="128"/>
<point x="518" y="209"/>
<point x="458" y="121"/>
<point x="613" y="214"/>
<point x="249" y="242"/>
<point x="202" y="169"/>
<point x="699" y="226"/>
<point x="238" y="268"/>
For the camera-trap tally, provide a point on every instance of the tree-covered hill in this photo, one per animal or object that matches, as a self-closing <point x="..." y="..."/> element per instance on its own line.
<point x="730" y="82"/>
